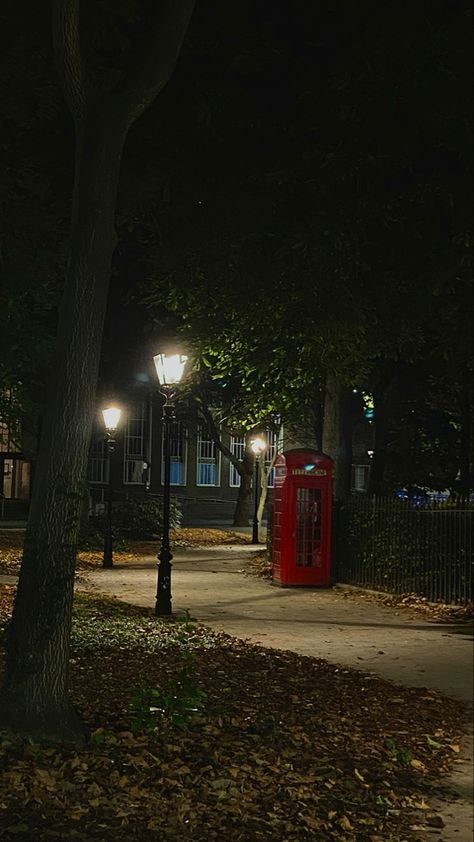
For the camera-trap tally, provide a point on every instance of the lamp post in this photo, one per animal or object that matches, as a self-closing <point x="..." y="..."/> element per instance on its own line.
<point x="111" y="416"/>
<point x="258" y="445"/>
<point x="169" y="369"/>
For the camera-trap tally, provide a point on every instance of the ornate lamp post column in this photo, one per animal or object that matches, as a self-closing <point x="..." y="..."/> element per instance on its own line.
<point x="169" y="369"/>
<point x="111" y="416"/>
<point x="258" y="446"/>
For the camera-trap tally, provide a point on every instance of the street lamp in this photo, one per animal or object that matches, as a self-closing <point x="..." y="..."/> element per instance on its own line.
<point x="111" y="416"/>
<point x="169" y="369"/>
<point x="258" y="445"/>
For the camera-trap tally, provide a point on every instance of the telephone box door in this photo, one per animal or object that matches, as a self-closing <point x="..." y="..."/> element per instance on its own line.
<point x="308" y="533"/>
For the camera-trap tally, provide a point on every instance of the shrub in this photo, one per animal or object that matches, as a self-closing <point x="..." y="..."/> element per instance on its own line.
<point x="142" y="517"/>
<point x="137" y="517"/>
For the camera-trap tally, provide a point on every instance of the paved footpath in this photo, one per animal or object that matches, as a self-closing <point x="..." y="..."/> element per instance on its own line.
<point x="362" y="634"/>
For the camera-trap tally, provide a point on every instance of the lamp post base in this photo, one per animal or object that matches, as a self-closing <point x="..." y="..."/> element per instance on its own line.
<point x="163" y="592"/>
<point x="108" y="556"/>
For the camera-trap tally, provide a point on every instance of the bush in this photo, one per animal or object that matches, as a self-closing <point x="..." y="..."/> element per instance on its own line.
<point x="142" y="517"/>
<point x="137" y="517"/>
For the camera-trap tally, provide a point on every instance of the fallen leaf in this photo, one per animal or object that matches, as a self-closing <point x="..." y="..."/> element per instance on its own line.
<point x="417" y="764"/>
<point x="345" y="823"/>
<point x="434" y="820"/>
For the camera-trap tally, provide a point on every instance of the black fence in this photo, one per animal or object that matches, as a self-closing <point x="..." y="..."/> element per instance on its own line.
<point x="399" y="546"/>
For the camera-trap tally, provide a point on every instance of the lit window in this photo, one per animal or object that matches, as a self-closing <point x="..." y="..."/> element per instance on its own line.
<point x="360" y="477"/>
<point x="134" y="446"/>
<point x="97" y="466"/>
<point x="208" y="458"/>
<point x="177" y="454"/>
<point x="9" y="432"/>
<point x="237" y="447"/>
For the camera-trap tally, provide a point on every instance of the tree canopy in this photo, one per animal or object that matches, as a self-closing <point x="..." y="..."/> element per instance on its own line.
<point x="346" y="249"/>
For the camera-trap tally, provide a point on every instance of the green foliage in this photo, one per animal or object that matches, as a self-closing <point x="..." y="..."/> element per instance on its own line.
<point x="399" y="754"/>
<point x="176" y="704"/>
<point x="346" y="247"/>
<point x="137" y="517"/>
<point x="91" y="535"/>
<point x="392" y="545"/>
<point x="142" y="517"/>
<point x="105" y="624"/>
<point x="34" y="203"/>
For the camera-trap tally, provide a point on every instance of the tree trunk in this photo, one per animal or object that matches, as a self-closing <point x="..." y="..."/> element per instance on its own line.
<point x="337" y="435"/>
<point x="263" y="494"/>
<point x="264" y="473"/>
<point x="35" y="695"/>
<point x="244" y="499"/>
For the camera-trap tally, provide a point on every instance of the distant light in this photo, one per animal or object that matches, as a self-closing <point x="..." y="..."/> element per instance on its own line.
<point x="111" y="416"/>
<point x="169" y="368"/>
<point x="258" y="445"/>
<point x="370" y="453"/>
<point x="355" y="391"/>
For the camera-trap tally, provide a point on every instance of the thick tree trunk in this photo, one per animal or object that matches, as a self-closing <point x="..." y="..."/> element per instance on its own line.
<point x="35" y="695"/>
<point x="337" y="435"/>
<point x="244" y="500"/>
<point x="263" y="494"/>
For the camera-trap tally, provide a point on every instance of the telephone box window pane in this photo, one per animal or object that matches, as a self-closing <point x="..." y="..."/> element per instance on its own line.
<point x="308" y="527"/>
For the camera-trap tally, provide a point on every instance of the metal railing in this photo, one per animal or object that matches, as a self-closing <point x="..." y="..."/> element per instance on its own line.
<point x="398" y="546"/>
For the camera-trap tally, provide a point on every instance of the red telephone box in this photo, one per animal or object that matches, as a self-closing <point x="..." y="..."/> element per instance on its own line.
<point x="301" y="527"/>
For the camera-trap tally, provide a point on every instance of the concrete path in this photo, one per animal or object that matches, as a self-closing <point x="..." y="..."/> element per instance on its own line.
<point x="362" y="634"/>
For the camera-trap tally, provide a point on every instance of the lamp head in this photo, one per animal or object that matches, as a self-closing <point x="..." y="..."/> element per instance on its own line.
<point x="111" y="416"/>
<point x="258" y="445"/>
<point x="169" y="368"/>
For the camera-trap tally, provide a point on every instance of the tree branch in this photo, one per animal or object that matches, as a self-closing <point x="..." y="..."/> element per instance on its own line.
<point x="214" y="431"/>
<point x="157" y="58"/>
<point x="68" y="55"/>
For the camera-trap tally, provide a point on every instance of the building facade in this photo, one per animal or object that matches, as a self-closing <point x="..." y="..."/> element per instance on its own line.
<point x="202" y="478"/>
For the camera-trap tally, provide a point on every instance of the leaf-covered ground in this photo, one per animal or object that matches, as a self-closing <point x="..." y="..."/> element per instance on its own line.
<point x="11" y="545"/>
<point x="259" y="565"/>
<point x="195" y="735"/>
